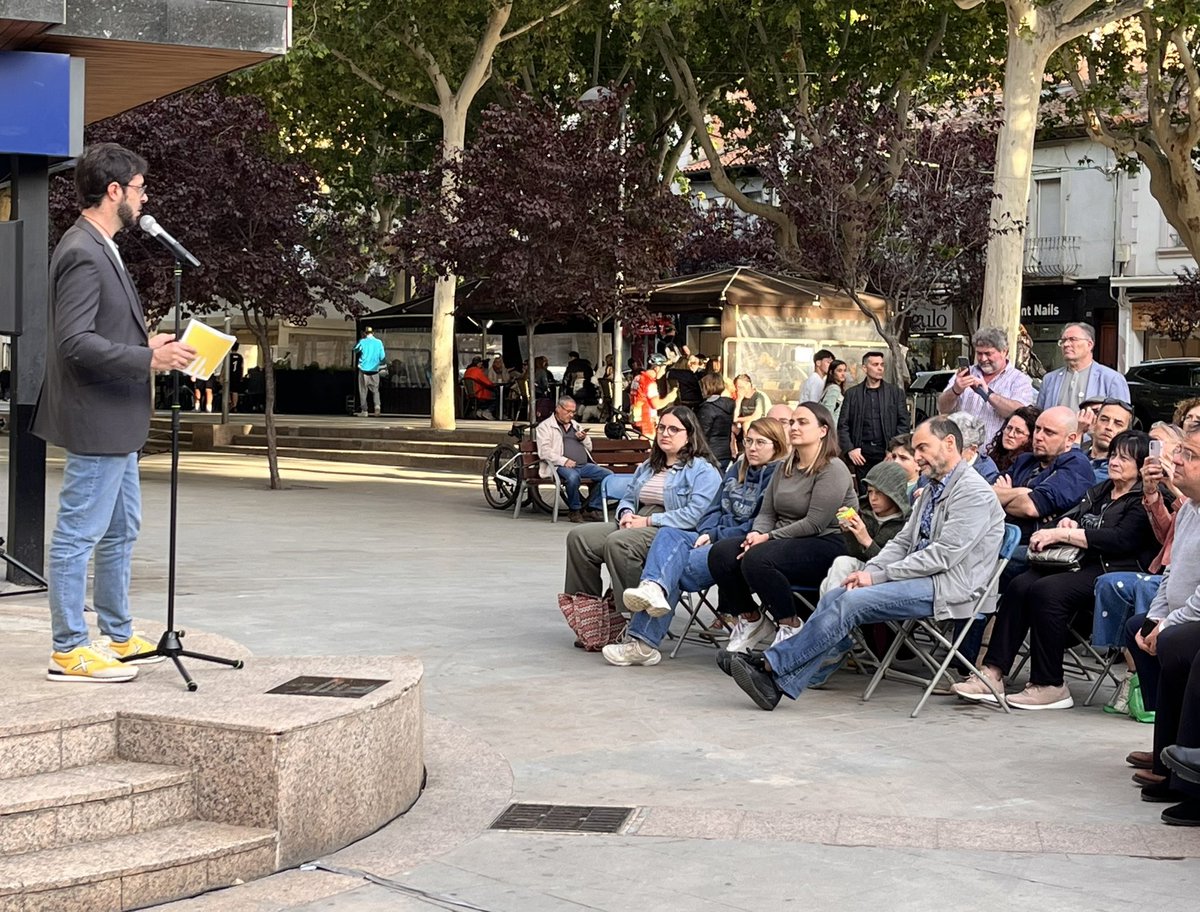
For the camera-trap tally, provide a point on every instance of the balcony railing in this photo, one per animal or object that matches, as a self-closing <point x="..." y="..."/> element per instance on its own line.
<point x="1051" y="257"/>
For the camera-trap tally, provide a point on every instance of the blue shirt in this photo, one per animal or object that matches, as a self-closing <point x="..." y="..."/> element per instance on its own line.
<point x="371" y="355"/>
<point x="1100" y="469"/>
<point x="1053" y="489"/>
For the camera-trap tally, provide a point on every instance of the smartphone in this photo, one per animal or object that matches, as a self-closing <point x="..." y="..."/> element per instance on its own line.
<point x="1148" y="628"/>
<point x="1155" y="449"/>
<point x="963" y="362"/>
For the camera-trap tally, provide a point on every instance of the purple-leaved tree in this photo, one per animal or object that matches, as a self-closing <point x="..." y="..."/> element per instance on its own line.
<point x="269" y="244"/>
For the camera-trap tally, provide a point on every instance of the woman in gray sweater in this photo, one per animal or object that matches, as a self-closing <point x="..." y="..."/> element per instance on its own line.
<point x="795" y="537"/>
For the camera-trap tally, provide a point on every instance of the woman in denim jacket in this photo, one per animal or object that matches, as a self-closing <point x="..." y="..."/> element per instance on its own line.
<point x="678" y="558"/>
<point x="670" y="490"/>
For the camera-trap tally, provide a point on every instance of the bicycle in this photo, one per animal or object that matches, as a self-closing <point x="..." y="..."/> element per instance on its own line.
<point x="502" y="474"/>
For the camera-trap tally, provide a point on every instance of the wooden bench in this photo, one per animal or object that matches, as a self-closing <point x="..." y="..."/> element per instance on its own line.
<point x="622" y="457"/>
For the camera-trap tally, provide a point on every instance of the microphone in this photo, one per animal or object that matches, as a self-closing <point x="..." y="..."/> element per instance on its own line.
<point x="151" y="226"/>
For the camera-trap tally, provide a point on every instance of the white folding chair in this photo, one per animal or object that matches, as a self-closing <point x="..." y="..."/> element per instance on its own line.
<point x="930" y="628"/>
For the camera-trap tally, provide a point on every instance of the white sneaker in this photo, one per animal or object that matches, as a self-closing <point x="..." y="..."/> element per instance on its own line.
<point x="785" y="633"/>
<point x="746" y="633"/>
<point x="647" y="597"/>
<point x="633" y="652"/>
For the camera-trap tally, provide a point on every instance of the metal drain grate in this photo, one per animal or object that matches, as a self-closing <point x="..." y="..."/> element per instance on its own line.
<point x="563" y="818"/>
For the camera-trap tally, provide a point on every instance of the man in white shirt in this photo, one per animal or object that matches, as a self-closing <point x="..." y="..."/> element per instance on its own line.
<point x="814" y="386"/>
<point x="997" y="388"/>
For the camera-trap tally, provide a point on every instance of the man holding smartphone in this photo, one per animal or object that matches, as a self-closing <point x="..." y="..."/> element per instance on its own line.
<point x="997" y="388"/>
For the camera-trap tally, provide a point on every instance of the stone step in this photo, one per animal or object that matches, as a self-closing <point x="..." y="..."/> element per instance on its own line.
<point x="436" y="462"/>
<point x="44" y="742"/>
<point x="132" y="871"/>
<point x="67" y="806"/>
<point x="376" y="444"/>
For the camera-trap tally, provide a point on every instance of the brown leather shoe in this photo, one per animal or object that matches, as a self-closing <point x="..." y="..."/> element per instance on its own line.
<point x="593" y="516"/>
<point x="1148" y="777"/>
<point x="575" y="516"/>
<point x="1142" y="760"/>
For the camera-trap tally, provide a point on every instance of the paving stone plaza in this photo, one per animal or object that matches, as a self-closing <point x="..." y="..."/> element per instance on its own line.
<point x="826" y="803"/>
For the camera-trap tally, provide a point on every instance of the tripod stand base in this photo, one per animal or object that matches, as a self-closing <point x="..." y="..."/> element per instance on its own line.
<point x="171" y="647"/>
<point x="40" y="584"/>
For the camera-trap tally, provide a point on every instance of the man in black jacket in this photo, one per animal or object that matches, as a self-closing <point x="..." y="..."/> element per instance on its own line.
<point x="873" y="412"/>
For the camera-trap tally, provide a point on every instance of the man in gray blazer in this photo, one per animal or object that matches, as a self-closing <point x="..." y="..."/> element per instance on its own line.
<point x="936" y="566"/>
<point x="95" y="403"/>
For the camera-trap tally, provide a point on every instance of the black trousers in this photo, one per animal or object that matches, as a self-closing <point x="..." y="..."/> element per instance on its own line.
<point x="770" y="570"/>
<point x="1177" y="713"/>
<point x="1040" y="604"/>
<point x="1148" y="669"/>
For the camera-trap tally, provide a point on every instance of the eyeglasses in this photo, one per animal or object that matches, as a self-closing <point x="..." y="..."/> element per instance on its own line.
<point x="753" y="443"/>
<point x="140" y="188"/>
<point x="670" y="430"/>
<point x="1069" y="339"/>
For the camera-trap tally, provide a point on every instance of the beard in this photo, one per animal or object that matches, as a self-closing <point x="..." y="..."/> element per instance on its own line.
<point x="125" y="214"/>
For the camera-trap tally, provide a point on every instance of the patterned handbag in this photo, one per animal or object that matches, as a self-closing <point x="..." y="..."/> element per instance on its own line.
<point x="595" y="619"/>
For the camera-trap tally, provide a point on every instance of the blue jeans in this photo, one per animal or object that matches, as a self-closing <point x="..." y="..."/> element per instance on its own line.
<point x="675" y="565"/>
<point x="572" y="478"/>
<point x="99" y="509"/>
<point x="797" y="659"/>
<point x="1118" y="595"/>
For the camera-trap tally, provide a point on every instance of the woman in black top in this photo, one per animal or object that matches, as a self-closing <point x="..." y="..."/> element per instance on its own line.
<point x="715" y="415"/>
<point x="1112" y="528"/>
<point x="682" y="376"/>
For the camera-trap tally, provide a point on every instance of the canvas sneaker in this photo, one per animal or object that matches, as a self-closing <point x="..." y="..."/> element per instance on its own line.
<point x="746" y="633"/>
<point x="91" y="663"/>
<point x="136" y="645"/>
<point x="647" y="597"/>
<point x="1042" y="696"/>
<point x="976" y="690"/>
<point x="633" y="652"/>
<point x="1119" y="705"/>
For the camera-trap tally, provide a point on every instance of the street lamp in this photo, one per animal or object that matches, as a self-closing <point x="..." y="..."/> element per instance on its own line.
<point x="592" y="96"/>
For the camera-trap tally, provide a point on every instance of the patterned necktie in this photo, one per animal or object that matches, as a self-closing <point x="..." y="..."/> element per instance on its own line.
<point x="931" y="496"/>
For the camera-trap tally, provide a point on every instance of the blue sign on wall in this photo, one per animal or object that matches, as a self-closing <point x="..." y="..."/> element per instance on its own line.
<point x="41" y="104"/>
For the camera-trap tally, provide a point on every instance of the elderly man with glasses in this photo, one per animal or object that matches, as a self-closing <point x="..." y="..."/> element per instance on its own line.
<point x="1082" y="378"/>
<point x="564" y="447"/>
<point x="997" y="387"/>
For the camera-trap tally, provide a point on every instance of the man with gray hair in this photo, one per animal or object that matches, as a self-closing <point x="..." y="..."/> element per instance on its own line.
<point x="564" y="447"/>
<point x="1082" y="378"/>
<point x="997" y="388"/>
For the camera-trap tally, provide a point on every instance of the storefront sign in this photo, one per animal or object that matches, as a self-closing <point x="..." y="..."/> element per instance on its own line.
<point x="931" y="318"/>
<point x="1047" y="312"/>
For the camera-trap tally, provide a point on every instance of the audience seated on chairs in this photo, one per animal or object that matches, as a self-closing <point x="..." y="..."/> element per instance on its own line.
<point x="936" y="566"/>
<point x="564" y="448"/>
<point x="1168" y="654"/>
<point x="715" y="415"/>
<point x="1120" y="596"/>
<point x="1111" y="528"/>
<point x="795" y="535"/>
<point x="678" y="558"/>
<point x="1015" y="438"/>
<point x="1112" y="417"/>
<point x="673" y="488"/>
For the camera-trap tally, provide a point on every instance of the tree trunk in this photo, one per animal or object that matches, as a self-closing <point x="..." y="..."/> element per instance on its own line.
<point x="262" y="336"/>
<point x="444" y="383"/>
<point x="531" y="376"/>
<point x="1014" y="159"/>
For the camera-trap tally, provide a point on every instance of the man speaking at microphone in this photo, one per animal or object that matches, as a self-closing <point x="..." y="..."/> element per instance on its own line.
<point x="95" y="403"/>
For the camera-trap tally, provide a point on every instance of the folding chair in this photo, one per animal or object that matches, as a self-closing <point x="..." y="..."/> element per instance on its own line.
<point x="862" y="654"/>
<point x="928" y="626"/>
<point x="1090" y="663"/>
<point x="693" y="603"/>
<point x="613" y="487"/>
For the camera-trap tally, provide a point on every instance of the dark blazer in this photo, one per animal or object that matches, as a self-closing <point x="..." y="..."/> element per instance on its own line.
<point x="854" y="413"/>
<point x="95" y="399"/>
<point x="716" y="421"/>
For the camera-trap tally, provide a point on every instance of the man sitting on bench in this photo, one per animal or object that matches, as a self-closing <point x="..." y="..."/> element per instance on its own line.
<point x="563" y="446"/>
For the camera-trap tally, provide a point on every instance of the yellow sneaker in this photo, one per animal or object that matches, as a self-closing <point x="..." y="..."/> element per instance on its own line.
<point x="91" y="663"/>
<point x="135" y="645"/>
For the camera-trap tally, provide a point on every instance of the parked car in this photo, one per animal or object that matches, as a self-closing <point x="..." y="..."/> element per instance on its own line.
<point x="1156" y="387"/>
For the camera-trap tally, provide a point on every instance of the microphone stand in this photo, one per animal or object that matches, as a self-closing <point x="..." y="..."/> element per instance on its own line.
<point x="169" y="643"/>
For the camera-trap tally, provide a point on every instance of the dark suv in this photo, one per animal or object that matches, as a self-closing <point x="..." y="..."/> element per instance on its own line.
<point x="1156" y="387"/>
